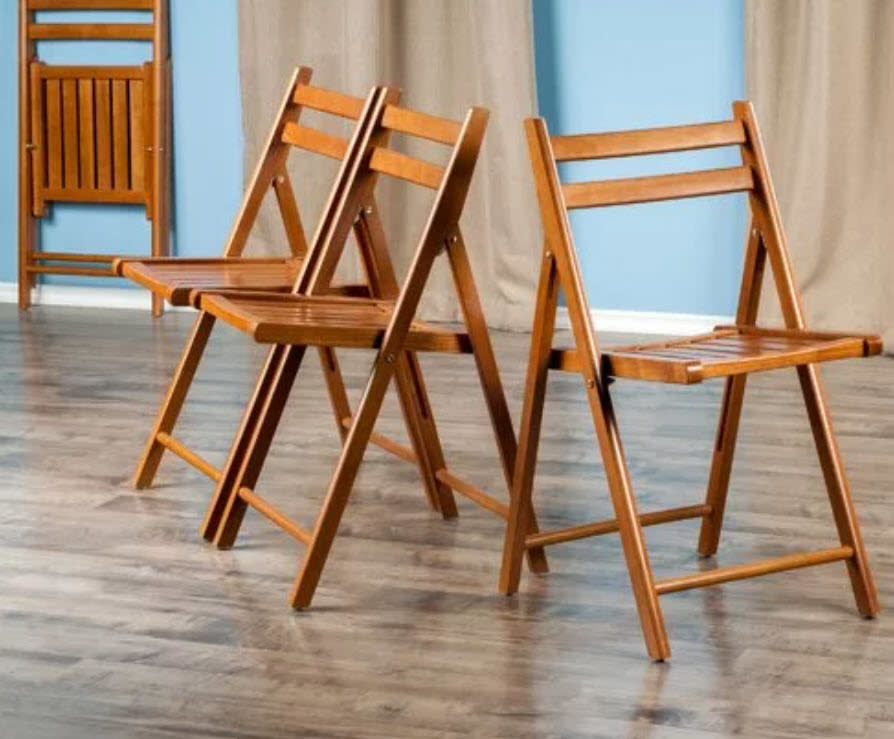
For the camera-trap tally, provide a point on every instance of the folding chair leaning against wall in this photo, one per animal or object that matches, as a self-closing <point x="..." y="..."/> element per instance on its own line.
<point x="91" y="133"/>
<point x="180" y="281"/>
<point x="729" y="351"/>
<point x="384" y="322"/>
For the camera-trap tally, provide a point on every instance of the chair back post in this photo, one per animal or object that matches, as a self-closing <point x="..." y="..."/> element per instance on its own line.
<point x="270" y="164"/>
<point x="765" y="210"/>
<point x="559" y="242"/>
<point x="443" y="220"/>
<point x="353" y="190"/>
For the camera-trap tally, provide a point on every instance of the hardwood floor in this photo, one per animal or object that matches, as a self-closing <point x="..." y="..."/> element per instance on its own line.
<point x="116" y="621"/>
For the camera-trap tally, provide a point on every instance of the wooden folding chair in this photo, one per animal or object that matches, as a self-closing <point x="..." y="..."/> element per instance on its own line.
<point x="180" y="280"/>
<point x="91" y="133"/>
<point x="384" y="322"/>
<point x="728" y="351"/>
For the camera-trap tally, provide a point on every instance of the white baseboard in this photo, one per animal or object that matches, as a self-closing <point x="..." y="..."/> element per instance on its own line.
<point x="619" y="321"/>
<point x="117" y="298"/>
<point x="648" y="322"/>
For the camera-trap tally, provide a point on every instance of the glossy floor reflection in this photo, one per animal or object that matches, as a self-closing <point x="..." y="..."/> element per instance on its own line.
<point x="116" y="621"/>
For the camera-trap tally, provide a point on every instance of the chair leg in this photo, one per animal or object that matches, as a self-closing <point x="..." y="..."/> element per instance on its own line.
<point x="173" y="402"/>
<point x="250" y="446"/>
<point x="341" y="485"/>
<point x="417" y="417"/>
<point x="521" y="507"/>
<point x="629" y="526"/>
<point x="338" y="396"/>
<point x="423" y="433"/>
<point x="838" y="489"/>
<point x="721" y="464"/>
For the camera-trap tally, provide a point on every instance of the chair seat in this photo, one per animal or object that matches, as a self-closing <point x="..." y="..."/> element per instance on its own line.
<point x="273" y="318"/>
<point x="176" y="278"/>
<point x="728" y="350"/>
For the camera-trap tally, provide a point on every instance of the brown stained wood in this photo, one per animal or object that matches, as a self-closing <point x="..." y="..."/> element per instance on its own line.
<point x="91" y="4"/>
<point x="313" y="140"/>
<point x="103" y="119"/>
<point x="328" y="101"/>
<point x="188" y="455"/>
<point x="93" y="142"/>
<point x="92" y="31"/>
<point x="28" y="208"/>
<point x="291" y="217"/>
<point x="177" y="278"/>
<point x="707" y="578"/>
<point x="647" y="141"/>
<point x="275" y="516"/>
<point x="137" y="141"/>
<point x="120" y="132"/>
<point x="423" y="125"/>
<point x="657" y="187"/>
<point x="598" y="528"/>
<point x="48" y="256"/>
<point x="38" y="158"/>
<point x="58" y="269"/>
<point x="70" y="135"/>
<point x="406" y="168"/>
<point x="93" y="72"/>
<point x="54" y="133"/>
<point x="86" y="134"/>
<point x="733" y="352"/>
<point x="323" y="321"/>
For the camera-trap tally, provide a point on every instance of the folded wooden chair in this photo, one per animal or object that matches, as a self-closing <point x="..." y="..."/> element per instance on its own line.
<point x="728" y="351"/>
<point x="91" y="133"/>
<point x="384" y="322"/>
<point x="179" y="280"/>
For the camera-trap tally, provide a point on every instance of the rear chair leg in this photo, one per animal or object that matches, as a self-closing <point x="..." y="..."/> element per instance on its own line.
<point x="173" y="402"/>
<point x="423" y="433"/>
<point x="838" y="489"/>
<point x="250" y="446"/>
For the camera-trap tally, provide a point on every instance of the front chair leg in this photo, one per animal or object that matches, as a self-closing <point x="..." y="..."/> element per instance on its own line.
<point x="173" y="402"/>
<point x="341" y="484"/>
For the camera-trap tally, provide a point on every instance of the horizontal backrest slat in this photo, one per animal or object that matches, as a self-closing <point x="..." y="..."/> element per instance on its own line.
<point x="91" y="4"/>
<point x="647" y="141"/>
<point x="658" y="187"/>
<point x="433" y="128"/>
<point x="98" y="31"/>
<point x="310" y="139"/>
<point x="406" y="167"/>
<point x="53" y="72"/>
<point x="328" y="101"/>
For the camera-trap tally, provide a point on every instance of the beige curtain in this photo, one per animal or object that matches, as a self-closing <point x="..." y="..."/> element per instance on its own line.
<point x="446" y="56"/>
<point x="821" y="75"/>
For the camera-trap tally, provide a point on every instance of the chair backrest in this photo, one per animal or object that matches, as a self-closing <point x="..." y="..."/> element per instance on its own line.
<point x="286" y="134"/>
<point x="373" y="157"/>
<point x="96" y="133"/>
<point x="556" y="199"/>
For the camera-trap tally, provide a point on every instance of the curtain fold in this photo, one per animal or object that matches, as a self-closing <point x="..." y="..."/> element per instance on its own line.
<point x="446" y="56"/>
<point x="821" y="75"/>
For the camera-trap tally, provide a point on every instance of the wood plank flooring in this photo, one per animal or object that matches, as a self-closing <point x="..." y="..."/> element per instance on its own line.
<point x="115" y="621"/>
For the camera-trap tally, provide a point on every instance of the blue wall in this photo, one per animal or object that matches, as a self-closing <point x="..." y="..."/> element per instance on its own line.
<point x="601" y="65"/>
<point x="207" y="137"/>
<point x="604" y="65"/>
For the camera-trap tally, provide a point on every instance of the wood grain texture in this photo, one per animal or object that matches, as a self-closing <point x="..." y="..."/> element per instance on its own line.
<point x="115" y="622"/>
